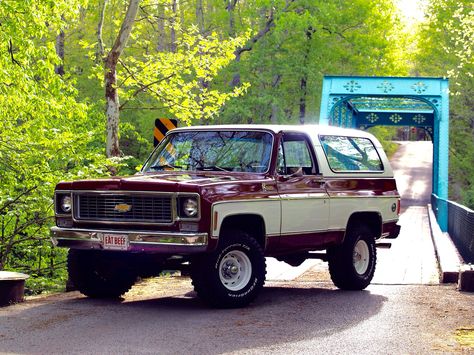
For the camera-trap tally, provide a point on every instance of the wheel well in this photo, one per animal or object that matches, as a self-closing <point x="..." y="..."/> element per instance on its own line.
<point x="251" y="224"/>
<point x="373" y="220"/>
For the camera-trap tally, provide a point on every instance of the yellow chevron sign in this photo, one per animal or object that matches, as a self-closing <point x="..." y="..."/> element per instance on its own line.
<point x="163" y="125"/>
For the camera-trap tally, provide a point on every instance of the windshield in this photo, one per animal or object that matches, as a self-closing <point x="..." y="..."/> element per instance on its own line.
<point x="248" y="151"/>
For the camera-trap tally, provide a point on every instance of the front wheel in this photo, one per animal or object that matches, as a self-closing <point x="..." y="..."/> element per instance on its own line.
<point x="352" y="265"/>
<point x="99" y="275"/>
<point x="233" y="275"/>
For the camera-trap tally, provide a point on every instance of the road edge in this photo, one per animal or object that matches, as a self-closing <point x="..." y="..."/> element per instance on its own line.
<point x="447" y="255"/>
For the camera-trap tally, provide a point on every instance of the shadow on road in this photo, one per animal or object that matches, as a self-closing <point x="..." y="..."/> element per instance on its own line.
<point x="182" y="323"/>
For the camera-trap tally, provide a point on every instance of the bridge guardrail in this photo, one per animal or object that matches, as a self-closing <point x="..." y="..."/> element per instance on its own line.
<point x="460" y="226"/>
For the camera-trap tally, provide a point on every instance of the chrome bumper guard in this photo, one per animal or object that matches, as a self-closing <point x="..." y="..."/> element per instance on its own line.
<point x="139" y="241"/>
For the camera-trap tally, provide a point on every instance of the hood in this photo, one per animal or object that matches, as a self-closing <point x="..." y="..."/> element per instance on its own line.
<point x="167" y="182"/>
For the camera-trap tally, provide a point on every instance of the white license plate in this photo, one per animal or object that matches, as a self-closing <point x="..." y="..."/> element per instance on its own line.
<point x="115" y="241"/>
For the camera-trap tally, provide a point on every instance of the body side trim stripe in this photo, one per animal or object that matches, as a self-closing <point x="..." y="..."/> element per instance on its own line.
<point x="320" y="231"/>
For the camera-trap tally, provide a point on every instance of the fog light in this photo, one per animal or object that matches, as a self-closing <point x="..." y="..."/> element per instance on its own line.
<point x="64" y="222"/>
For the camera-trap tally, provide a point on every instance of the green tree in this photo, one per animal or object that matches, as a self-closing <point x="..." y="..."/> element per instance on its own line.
<point x="110" y="77"/>
<point x="290" y="45"/>
<point x="445" y="45"/>
<point x="199" y="61"/>
<point x="137" y="66"/>
<point x="45" y="134"/>
<point x="295" y="43"/>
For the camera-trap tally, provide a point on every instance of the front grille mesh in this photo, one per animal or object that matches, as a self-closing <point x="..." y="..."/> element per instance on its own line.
<point x="147" y="209"/>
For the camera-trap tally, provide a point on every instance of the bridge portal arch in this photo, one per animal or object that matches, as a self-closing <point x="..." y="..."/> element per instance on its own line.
<point x="361" y="102"/>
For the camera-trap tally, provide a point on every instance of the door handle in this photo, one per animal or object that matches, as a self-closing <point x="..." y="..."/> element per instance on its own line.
<point x="317" y="181"/>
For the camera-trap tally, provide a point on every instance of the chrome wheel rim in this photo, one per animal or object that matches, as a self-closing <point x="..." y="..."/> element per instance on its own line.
<point x="235" y="270"/>
<point x="361" y="257"/>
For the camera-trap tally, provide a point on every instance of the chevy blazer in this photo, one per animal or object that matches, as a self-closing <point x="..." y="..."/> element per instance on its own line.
<point x="214" y="201"/>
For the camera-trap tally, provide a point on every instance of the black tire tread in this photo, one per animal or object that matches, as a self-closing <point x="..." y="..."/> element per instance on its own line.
<point x="341" y="266"/>
<point x="83" y="272"/>
<point x="209" y="289"/>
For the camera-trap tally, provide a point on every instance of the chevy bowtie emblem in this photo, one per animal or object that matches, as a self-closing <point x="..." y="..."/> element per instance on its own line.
<point x="123" y="207"/>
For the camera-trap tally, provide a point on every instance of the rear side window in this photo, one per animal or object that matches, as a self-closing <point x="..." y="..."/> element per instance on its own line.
<point x="351" y="154"/>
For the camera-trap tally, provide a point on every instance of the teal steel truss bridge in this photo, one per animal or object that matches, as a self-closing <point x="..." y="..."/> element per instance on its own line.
<point x="362" y="102"/>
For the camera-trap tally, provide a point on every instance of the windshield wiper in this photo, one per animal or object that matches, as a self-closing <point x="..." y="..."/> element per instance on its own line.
<point x="164" y="166"/>
<point x="211" y="168"/>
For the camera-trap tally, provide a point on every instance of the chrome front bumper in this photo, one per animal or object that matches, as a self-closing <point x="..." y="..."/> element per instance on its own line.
<point x="138" y="241"/>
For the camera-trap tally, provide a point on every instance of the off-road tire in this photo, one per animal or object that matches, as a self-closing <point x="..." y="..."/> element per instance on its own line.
<point x="98" y="274"/>
<point x="232" y="275"/>
<point x="352" y="264"/>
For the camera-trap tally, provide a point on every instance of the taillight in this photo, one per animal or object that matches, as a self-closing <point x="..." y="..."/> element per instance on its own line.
<point x="398" y="207"/>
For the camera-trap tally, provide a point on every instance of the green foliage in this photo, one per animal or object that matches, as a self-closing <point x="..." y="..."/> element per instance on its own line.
<point x="181" y="80"/>
<point x="45" y="134"/>
<point x="189" y="78"/>
<point x="181" y="63"/>
<point x="310" y="39"/>
<point x="385" y="135"/>
<point x="446" y="49"/>
<point x="51" y="276"/>
<point x="135" y="148"/>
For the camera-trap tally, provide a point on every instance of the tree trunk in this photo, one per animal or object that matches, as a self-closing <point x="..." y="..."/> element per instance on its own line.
<point x="231" y="11"/>
<point x="113" y="113"/>
<point x="111" y="94"/>
<point x="174" y="10"/>
<point x="274" y="114"/>
<point x="200" y="16"/>
<point x="161" y="46"/>
<point x="269" y="24"/>
<point x="304" y="92"/>
<point x="99" y="55"/>
<point x="236" y="77"/>
<point x="59" y="69"/>
<point x="304" y="78"/>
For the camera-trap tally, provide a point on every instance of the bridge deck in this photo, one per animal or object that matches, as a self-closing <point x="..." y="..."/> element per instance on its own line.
<point x="411" y="260"/>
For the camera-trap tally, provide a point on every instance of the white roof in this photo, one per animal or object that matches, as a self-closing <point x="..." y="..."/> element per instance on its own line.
<point x="311" y="128"/>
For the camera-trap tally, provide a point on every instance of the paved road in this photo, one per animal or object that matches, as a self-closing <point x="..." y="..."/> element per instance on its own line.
<point x="412" y="165"/>
<point x="165" y="317"/>
<point x="404" y="311"/>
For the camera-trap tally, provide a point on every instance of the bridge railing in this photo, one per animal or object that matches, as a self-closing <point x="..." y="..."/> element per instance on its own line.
<point x="460" y="225"/>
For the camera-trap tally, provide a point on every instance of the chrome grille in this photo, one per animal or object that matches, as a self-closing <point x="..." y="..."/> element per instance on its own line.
<point x="143" y="208"/>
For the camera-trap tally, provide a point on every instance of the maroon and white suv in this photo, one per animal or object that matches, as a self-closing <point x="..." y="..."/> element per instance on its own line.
<point x="214" y="201"/>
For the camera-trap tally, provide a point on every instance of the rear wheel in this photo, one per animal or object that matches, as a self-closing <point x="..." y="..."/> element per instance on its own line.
<point x="233" y="275"/>
<point x="352" y="265"/>
<point x="98" y="274"/>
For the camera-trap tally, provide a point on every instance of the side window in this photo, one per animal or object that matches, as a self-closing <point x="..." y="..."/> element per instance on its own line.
<point x="294" y="156"/>
<point x="351" y="154"/>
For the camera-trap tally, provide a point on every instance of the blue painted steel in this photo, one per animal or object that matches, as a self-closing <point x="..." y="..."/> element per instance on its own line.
<point x="441" y="154"/>
<point x="358" y="101"/>
<point x="386" y="118"/>
<point x="389" y="104"/>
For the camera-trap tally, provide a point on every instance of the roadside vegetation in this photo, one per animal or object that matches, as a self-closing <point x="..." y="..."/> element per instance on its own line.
<point x="81" y="83"/>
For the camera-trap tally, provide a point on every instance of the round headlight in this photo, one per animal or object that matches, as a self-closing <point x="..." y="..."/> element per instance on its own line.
<point x="190" y="207"/>
<point x="66" y="204"/>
